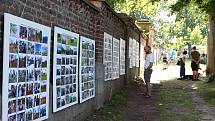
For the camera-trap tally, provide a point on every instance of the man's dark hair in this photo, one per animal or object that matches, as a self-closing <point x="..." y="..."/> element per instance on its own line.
<point x="194" y="48"/>
<point x="185" y="52"/>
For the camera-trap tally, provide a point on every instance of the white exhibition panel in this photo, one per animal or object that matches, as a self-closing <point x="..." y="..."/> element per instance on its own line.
<point x="130" y="52"/>
<point x="65" y="69"/>
<point x="87" y="69"/>
<point x="107" y="57"/>
<point x="26" y="65"/>
<point x="115" y="74"/>
<point x="137" y="54"/>
<point x="134" y="53"/>
<point x="122" y="56"/>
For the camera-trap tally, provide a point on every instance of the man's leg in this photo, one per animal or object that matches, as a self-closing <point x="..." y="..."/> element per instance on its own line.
<point x="193" y="75"/>
<point x="148" y="87"/>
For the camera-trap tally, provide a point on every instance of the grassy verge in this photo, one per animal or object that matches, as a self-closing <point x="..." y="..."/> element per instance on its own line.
<point x="175" y="104"/>
<point x="207" y="91"/>
<point x="111" y="111"/>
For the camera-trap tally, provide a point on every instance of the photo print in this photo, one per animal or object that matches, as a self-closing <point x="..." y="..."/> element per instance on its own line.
<point x="29" y="115"/>
<point x="29" y="102"/>
<point x="12" y="118"/>
<point x="12" y="106"/>
<point x="63" y="91"/>
<point x="22" y="75"/>
<point x="67" y="99"/>
<point x="21" y="104"/>
<point x="58" y="91"/>
<point x="38" y="49"/>
<point x="75" y="41"/>
<point x="21" y="116"/>
<point x="30" y="61"/>
<point x="12" y="91"/>
<point x="63" y="101"/>
<point x="38" y="62"/>
<point x="36" y="100"/>
<point x="30" y="48"/>
<point x="59" y="38"/>
<point x="44" y="74"/>
<point x="30" y="75"/>
<point x="43" y="111"/>
<point x="59" y="60"/>
<point x="43" y="98"/>
<point x="64" y="39"/>
<point x="36" y="88"/>
<point x="39" y="36"/>
<point x="63" y="49"/>
<point x="45" y="37"/>
<point x="13" y="60"/>
<point x="58" y="70"/>
<point x="23" y="47"/>
<point x="37" y="74"/>
<point x="58" y="102"/>
<point x="13" y="74"/>
<point x="44" y="62"/>
<point x="14" y="30"/>
<point x="31" y="34"/>
<point x="21" y="90"/>
<point x="58" y="80"/>
<point x="13" y="47"/>
<point x="43" y="86"/>
<point x="59" y="48"/>
<point x="23" y="32"/>
<point x="44" y="50"/>
<point x="22" y="61"/>
<point x="36" y="113"/>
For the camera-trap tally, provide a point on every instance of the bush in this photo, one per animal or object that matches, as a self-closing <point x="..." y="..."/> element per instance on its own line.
<point x="210" y="78"/>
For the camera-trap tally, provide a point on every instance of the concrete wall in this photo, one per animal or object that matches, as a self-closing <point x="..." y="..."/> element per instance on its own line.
<point x="82" y="17"/>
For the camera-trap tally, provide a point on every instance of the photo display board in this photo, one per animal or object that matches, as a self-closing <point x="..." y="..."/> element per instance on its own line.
<point x="87" y="69"/>
<point x="122" y="56"/>
<point x="137" y="54"/>
<point x="65" y="74"/>
<point x="26" y="65"/>
<point x="115" y="73"/>
<point x="131" y="52"/>
<point x="107" y="57"/>
<point x="134" y="52"/>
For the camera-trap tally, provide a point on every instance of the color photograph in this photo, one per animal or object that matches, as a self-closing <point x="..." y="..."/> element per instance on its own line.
<point x="44" y="50"/>
<point x="21" y="104"/>
<point x="12" y="91"/>
<point x="67" y="61"/>
<point x="37" y="74"/>
<point x="70" y="89"/>
<point x="58" y="91"/>
<point x="38" y="62"/>
<point x="42" y="98"/>
<point x="23" y="32"/>
<point x="30" y="48"/>
<point x="21" y="116"/>
<point x="31" y="34"/>
<point x="30" y="75"/>
<point x="58" y="70"/>
<point x="39" y="36"/>
<point x="63" y="70"/>
<point x="59" y="47"/>
<point x="21" y="90"/>
<point x="67" y="89"/>
<point x="63" y="60"/>
<point x="22" y="75"/>
<point x="11" y="106"/>
<point x="75" y="41"/>
<point x="23" y="46"/>
<point x="58" y="80"/>
<point x="63" y="49"/>
<point x="29" y="102"/>
<point x="43" y="111"/>
<point x="13" y="45"/>
<point x="14" y="30"/>
<point x="45" y="38"/>
<point x="36" y="100"/>
<point x="58" y="60"/>
<point x="63" y="91"/>
<point x="74" y="51"/>
<point x="74" y="79"/>
<point x="13" y="61"/>
<point x="44" y="62"/>
<point x="22" y="61"/>
<point x="36" y="88"/>
<point x="68" y="41"/>
<point x="43" y="86"/>
<point x="68" y="50"/>
<point x="63" y="101"/>
<point x="29" y="115"/>
<point x="58" y="102"/>
<point x="30" y="61"/>
<point x="63" y="39"/>
<point x="63" y="80"/>
<point x="12" y="76"/>
<point x="84" y="45"/>
<point x="59" y="38"/>
<point x="44" y="74"/>
<point x="38" y="49"/>
<point x="36" y="113"/>
<point x="29" y="88"/>
<point x="12" y="118"/>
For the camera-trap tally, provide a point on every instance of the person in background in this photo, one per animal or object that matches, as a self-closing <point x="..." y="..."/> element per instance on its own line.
<point x="148" y="69"/>
<point x="165" y="60"/>
<point x="182" y="64"/>
<point x="195" y="59"/>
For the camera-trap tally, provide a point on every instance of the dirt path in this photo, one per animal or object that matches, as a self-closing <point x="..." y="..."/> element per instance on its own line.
<point x="140" y="108"/>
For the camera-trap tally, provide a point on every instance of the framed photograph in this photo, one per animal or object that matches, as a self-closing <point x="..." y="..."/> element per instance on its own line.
<point x="65" y="66"/>
<point x="122" y="56"/>
<point x="86" y="69"/>
<point x="107" y="57"/>
<point x="26" y="62"/>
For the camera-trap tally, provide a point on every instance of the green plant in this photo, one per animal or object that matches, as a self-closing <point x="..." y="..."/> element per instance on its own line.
<point x="210" y="78"/>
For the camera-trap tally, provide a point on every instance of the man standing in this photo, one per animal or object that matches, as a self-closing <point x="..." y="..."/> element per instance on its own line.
<point x="195" y="56"/>
<point x="148" y="69"/>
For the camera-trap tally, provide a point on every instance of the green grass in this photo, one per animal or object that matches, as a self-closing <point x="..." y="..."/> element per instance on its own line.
<point x="207" y="91"/>
<point x="175" y="104"/>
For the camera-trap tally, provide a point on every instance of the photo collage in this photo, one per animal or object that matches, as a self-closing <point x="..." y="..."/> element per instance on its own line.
<point x="131" y="52"/>
<point x="66" y="69"/>
<point x="107" y="59"/>
<point x="28" y="72"/>
<point x="137" y="54"/>
<point x="115" y="73"/>
<point x="134" y="53"/>
<point x="122" y="56"/>
<point x="87" y="69"/>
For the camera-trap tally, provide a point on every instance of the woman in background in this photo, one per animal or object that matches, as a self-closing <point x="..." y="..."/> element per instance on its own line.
<point x="182" y="64"/>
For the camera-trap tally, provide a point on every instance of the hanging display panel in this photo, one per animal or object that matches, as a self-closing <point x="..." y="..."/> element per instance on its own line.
<point x="87" y="69"/>
<point x="122" y="56"/>
<point x="137" y="54"/>
<point x="107" y="57"/>
<point x="115" y="73"/>
<point x="130" y="52"/>
<point x="26" y="65"/>
<point x="134" y="52"/>
<point x="65" y="75"/>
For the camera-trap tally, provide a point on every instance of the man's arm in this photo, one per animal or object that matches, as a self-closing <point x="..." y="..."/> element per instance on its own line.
<point x="150" y="65"/>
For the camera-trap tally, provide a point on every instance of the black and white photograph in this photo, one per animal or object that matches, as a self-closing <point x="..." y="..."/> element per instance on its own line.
<point x="37" y="73"/>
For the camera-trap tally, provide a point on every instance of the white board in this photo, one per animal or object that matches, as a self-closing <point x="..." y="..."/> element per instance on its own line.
<point x="107" y="57"/>
<point x="26" y="65"/>
<point x="130" y="52"/>
<point x="65" y="69"/>
<point x="87" y="69"/>
<point x="115" y="74"/>
<point x="122" y="56"/>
